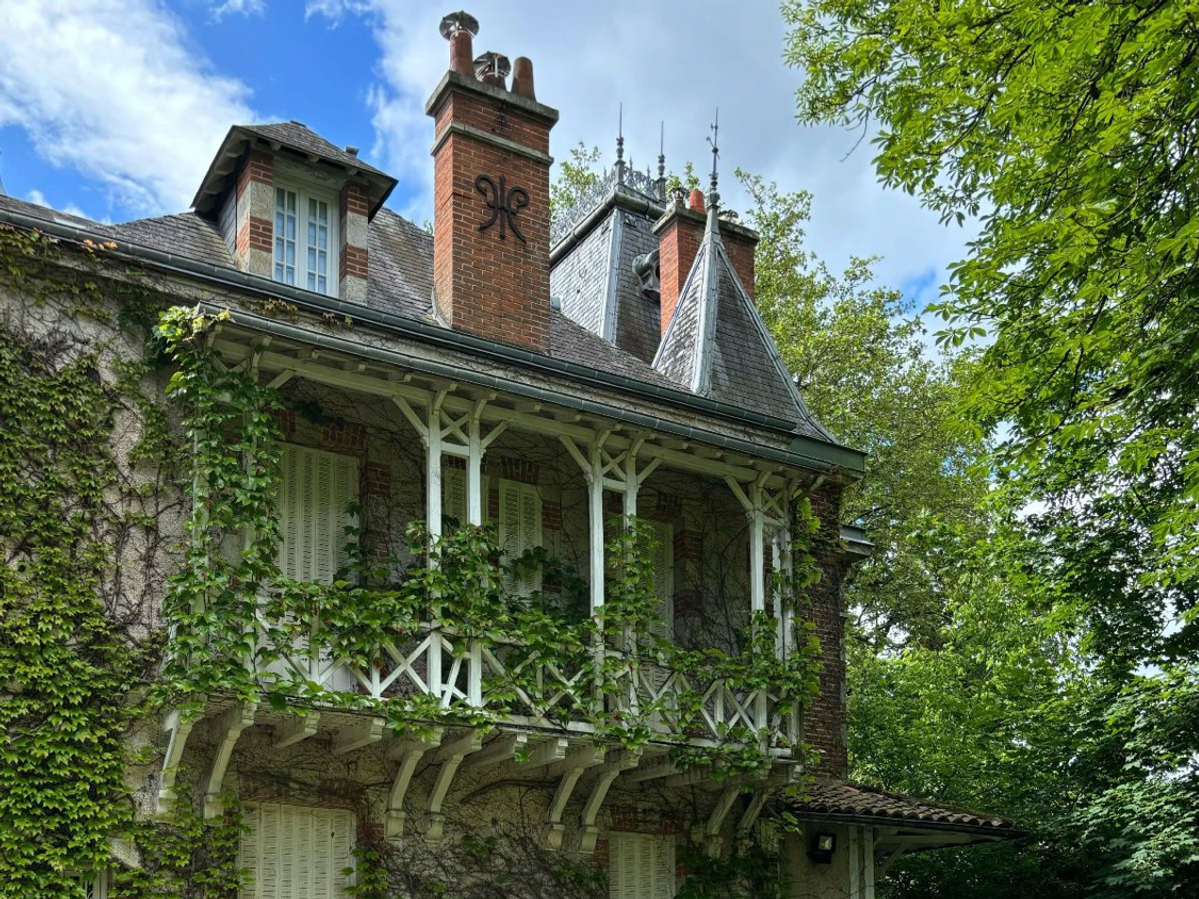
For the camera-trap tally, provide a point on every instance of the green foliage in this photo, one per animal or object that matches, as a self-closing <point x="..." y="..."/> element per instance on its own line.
<point x="576" y="175"/>
<point x="68" y="671"/>
<point x="750" y="871"/>
<point x="1068" y="132"/>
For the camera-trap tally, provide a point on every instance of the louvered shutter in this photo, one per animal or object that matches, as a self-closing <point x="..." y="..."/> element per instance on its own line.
<point x="315" y="489"/>
<point x="295" y="852"/>
<point x="520" y="527"/>
<point x="640" y="866"/>
<point x="453" y="494"/>
<point x="664" y="579"/>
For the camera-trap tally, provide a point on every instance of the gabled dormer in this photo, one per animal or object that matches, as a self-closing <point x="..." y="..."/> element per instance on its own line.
<point x="293" y="207"/>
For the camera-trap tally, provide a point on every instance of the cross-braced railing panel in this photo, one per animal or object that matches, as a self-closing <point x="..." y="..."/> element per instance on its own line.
<point x="513" y="679"/>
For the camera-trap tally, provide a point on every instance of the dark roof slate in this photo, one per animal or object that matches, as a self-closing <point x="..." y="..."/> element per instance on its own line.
<point x="186" y="234"/>
<point x="842" y="798"/>
<point x="299" y="136"/>
<point x="717" y="345"/>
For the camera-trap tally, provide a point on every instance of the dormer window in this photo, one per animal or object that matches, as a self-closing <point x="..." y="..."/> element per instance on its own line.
<point x="305" y="235"/>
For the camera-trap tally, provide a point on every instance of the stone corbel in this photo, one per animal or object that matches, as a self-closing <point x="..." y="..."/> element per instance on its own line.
<point x="229" y="727"/>
<point x="180" y="729"/>
<point x="356" y="736"/>
<point x="606" y="773"/>
<point x="296" y="729"/>
<point x="450" y="756"/>
<point x="409" y="753"/>
<point x="578" y="759"/>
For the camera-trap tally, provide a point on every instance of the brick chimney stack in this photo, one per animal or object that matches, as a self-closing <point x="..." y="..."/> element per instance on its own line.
<point x="491" y="260"/>
<point x="679" y="233"/>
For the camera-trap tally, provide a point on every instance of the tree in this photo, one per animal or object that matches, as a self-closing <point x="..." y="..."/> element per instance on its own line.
<point x="863" y="366"/>
<point x="1070" y="131"/>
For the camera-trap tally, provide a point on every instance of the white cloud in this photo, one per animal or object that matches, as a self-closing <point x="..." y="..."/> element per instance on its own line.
<point x="675" y="61"/>
<point x="113" y="89"/>
<point x="38" y="198"/>
<point x="336" y="10"/>
<point x="238" y="8"/>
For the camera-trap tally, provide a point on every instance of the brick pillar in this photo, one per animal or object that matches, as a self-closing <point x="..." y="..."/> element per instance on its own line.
<point x="493" y="279"/>
<point x="256" y="214"/>
<point x="352" y="260"/>
<point x="679" y="233"/>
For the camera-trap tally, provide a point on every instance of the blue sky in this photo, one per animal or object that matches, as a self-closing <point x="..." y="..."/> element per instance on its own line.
<point x="113" y="108"/>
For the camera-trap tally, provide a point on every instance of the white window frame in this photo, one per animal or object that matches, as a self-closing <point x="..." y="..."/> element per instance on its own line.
<point x="95" y="886"/>
<point x="303" y="195"/>
<point x="257" y="888"/>
<point x="653" y="856"/>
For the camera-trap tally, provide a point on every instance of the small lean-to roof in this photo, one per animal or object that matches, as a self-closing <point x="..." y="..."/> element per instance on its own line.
<point x="839" y="801"/>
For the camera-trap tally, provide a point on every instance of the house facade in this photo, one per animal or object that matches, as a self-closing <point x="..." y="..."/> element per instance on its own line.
<point x="549" y="598"/>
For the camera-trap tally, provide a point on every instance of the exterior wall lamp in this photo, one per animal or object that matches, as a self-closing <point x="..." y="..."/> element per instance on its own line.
<point x="822" y="848"/>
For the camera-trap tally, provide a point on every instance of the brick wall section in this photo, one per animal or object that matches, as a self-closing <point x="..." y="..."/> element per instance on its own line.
<point x="824" y="723"/>
<point x="353" y="208"/>
<point x="254" y="241"/>
<point x="679" y="233"/>
<point x="499" y="289"/>
<point x="521" y="470"/>
<point x="551" y="516"/>
<point x="347" y="438"/>
<point x="739" y="244"/>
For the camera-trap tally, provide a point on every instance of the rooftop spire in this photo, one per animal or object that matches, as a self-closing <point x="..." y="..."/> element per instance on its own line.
<point x="713" y="140"/>
<point x="620" y="145"/>
<point x="661" y="182"/>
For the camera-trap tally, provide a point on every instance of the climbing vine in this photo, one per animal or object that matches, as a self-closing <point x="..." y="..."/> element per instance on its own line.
<point x="231" y="605"/>
<point x="81" y="669"/>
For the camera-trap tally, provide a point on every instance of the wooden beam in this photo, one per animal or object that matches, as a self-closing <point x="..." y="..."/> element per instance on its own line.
<point x="578" y="759"/>
<point x="716" y="820"/>
<point x="546" y="752"/>
<point x="690" y="776"/>
<point x="661" y="767"/>
<point x="501" y="749"/>
<point x="750" y="816"/>
<point x="296" y="728"/>
<point x="357" y="735"/>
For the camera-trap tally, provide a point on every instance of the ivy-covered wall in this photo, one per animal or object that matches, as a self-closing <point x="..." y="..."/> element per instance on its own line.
<point x="133" y="458"/>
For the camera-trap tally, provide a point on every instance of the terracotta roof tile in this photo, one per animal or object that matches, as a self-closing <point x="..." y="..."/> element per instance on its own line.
<point x="845" y="799"/>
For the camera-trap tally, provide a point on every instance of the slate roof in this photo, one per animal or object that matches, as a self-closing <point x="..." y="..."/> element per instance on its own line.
<point x="300" y="137"/>
<point x="717" y="345"/>
<point x="849" y="800"/>
<point x="401" y="275"/>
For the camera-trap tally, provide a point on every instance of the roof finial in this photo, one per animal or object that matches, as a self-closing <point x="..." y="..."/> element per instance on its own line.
<point x="620" y="146"/>
<point x="713" y="195"/>
<point x="662" y="162"/>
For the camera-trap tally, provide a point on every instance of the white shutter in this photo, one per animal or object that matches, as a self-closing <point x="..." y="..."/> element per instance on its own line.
<point x="453" y="498"/>
<point x="640" y="866"/>
<point x="664" y="579"/>
<point x="294" y="852"/>
<point x="315" y="489"/>
<point x="520" y="527"/>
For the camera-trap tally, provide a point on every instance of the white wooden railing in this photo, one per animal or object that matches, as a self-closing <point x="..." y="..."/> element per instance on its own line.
<point x="491" y="676"/>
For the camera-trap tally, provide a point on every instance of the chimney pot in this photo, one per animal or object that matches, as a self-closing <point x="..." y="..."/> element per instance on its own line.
<point x="459" y="29"/>
<point x="522" y="78"/>
<point x="697" y="200"/>
<point x="351" y="150"/>
<point x="493" y="68"/>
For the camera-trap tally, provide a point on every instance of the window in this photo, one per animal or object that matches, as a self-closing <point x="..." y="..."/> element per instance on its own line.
<point x="304" y="239"/>
<point x="295" y="852"/>
<point x="520" y="528"/>
<point x="641" y="866"/>
<point x="314" y="491"/>
<point x="664" y="578"/>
